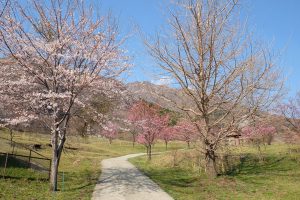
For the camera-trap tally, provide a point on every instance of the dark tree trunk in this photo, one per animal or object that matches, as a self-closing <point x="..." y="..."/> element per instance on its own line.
<point x="133" y="140"/>
<point x="150" y="152"/>
<point x="166" y="142"/>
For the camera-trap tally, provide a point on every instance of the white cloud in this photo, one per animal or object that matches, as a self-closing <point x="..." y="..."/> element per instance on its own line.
<point x="164" y="80"/>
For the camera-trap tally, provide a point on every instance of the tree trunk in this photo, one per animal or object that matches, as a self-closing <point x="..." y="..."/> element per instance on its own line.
<point x="54" y="164"/>
<point x="211" y="168"/>
<point x="54" y="171"/>
<point x="188" y="143"/>
<point x="150" y="152"/>
<point x="133" y="140"/>
<point x="57" y="147"/>
<point x="166" y="145"/>
<point x="238" y="141"/>
<point x="11" y="136"/>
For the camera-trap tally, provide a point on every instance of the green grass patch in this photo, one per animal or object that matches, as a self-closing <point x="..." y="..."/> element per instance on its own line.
<point x="277" y="176"/>
<point x="79" y="164"/>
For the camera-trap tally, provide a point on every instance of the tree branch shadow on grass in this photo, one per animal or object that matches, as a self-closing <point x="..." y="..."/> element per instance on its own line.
<point x="79" y="187"/>
<point x="250" y="165"/>
<point x="86" y="179"/>
<point x="26" y="178"/>
<point x="13" y="162"/>
<point x="174" y="176"/>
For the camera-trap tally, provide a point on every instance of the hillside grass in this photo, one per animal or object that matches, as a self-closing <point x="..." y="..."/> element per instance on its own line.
<point x="81" y="167"/>
<point x="274" y="174"/>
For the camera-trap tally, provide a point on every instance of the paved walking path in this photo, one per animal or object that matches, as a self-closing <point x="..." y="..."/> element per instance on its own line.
<point x="120" y="180"/>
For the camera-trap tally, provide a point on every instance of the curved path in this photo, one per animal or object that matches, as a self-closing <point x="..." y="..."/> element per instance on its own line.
<point x="120" y="180"/>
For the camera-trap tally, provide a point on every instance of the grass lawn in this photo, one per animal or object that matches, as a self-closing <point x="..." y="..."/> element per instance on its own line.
<point x="81" y="167"/>
<point x="276" y="177"/>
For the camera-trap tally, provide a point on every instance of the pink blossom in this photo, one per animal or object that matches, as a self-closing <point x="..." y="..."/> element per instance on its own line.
<point x="258" y="131"/>
<point x="57" y="61"/>
<point x="110" y="131"/>
<point x="149" y="122"/>
<point x="168" y="134"/>
<point x="186" y="131"/>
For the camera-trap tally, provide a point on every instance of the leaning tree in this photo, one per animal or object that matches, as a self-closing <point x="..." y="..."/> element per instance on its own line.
<point x="63" y="55"/>
<point x="225" y="76"/>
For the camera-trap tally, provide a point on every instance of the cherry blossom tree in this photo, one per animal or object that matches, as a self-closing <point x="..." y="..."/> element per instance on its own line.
<point x="259" y="133"/>
<point x="10" y="123"/>
<point x="149" y="122"/>
<point x="110" y="131"/>
<point x="168" y="134"/>
<point x="134" y="134"/>
<point x="58" y="55"/>
<point x="186" y="131"/>
<point x="12" y="113"/>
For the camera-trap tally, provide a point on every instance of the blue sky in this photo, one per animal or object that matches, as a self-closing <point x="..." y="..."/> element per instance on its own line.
<point x="274" y="21"/>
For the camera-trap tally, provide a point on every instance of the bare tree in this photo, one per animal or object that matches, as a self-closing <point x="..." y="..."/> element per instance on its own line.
<point x="225" y="78"/>
<point x="64" y="55"/>
<point x="291" y="112"/>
